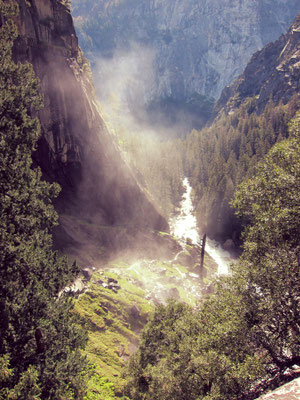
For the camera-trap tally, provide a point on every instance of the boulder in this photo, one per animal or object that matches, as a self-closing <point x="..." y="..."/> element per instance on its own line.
<point x="174" y="293"/>
<point x="134" y="311"/>
<point x="229" y="245"/>
<point x="87" y="273"/>
<point x="184" y="258"/>
<point x="289" y="391"/>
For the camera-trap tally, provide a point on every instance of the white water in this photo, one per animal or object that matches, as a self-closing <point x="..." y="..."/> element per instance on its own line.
<point x="221" y="256"/>
<point x="184" y="226"/>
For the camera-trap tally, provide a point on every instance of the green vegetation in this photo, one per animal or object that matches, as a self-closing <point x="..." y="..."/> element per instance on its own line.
<point x="187" y="354"/>
<point x="113" y="325"/>
<point x="67" y="3"/>
<point x="157" y="164"/>
<point x="101" y="388"/>
<point x="269" y="265"/>
<point x="247" y="332"/>
<point x="115" y="317"/>
<point x="39" y="337"/>
<point x="216" y="347"/>
<point x="220" y="156"/>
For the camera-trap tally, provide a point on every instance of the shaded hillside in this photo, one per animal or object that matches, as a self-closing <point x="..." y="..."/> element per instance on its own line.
<point x="99" y="191"/>
<point x="198" y="47"/>
<point x="272" y="72"/>
<point x="253" y="115"/>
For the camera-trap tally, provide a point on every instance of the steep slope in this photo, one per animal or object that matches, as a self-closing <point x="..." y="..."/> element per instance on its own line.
<point x="251" y="116"/>
<point x="101" y="202"/>
<point x="199" y="46"/>
<point x="272" y="72"/>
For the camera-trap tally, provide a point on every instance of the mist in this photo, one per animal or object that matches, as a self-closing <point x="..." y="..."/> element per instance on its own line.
<point x="126" y="88"/>
<point x="123" y="84"/>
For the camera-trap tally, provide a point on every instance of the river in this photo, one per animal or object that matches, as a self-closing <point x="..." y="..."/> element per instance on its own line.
<point x="184" y="226"/>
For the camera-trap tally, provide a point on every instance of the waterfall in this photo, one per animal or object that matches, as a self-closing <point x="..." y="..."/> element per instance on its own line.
<point x="184" y="226"/>
<point x="219" y="255"/>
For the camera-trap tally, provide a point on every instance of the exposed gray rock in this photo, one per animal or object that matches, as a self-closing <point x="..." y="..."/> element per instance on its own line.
<point x="76" y="149"/>
<point x="112" y="280"/>
<point x="185" y="259"/>
<point x="87" y="273"/>
<point x="289" y="391"/>
<point x="76" y="287"/>
<point x="200" y="45"/>
<point x="229" y="245"/>
<point x="174" y="293"/>
<point x="273" y="72"/>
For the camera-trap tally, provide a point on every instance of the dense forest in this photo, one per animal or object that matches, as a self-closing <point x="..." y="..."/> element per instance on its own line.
<point x="248" y="330"/>
<point x="216" y="160"/>
<point x="157" y="164"/>
<point x="219" y="157"/>
<point x="236" y="342"/>
<point x="40" y="339"/>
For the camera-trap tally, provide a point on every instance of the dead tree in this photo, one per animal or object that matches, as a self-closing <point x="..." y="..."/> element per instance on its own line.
<point x="203" y="241"/>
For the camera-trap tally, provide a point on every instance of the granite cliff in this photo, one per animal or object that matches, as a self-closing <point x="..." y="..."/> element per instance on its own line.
<point x="273" y="72"/>
<point x="101" y="204"/>
<point x="251" y="116"/>
<point x="199" y="46"/>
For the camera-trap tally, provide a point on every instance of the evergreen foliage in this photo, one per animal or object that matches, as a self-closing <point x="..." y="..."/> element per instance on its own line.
<point x="158" y="167"/>
<point x="248" y="332"/>
<point x="270" y="262"/>
<point x="220" y="156"/>
<point x="187" y="354"/>
<point x="39" y="339"/>
<point x="216" y="160"/>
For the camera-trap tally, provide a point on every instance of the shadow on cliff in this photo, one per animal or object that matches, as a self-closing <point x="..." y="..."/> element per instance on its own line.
<point x="102" y="208"/>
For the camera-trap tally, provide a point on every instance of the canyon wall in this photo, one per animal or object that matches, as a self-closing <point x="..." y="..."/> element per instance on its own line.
<point x="200" y="46"/>
<point x="101" y="201"/>
<point x="273" y="72"/>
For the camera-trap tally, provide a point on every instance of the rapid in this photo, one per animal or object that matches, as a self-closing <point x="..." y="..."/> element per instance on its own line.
<point x="184" y="226"/>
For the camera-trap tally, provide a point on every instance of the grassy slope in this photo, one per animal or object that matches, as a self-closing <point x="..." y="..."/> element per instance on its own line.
<point x="114" y="318"/>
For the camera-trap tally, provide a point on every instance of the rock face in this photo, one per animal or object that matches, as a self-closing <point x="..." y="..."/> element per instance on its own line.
<point x="289" y="391"/>
<point x="200" y="46"/>
<point x="273" y="72"/>
<point x="100" y="199"/>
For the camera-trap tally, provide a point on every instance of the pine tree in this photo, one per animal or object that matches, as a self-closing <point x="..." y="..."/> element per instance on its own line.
<point x="270" y="261"/>
<point x="243" y="337"/>
<point x="39" y="340"/>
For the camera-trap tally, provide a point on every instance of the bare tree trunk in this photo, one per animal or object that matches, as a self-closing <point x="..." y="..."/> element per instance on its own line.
<point x="202" y="251"/>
